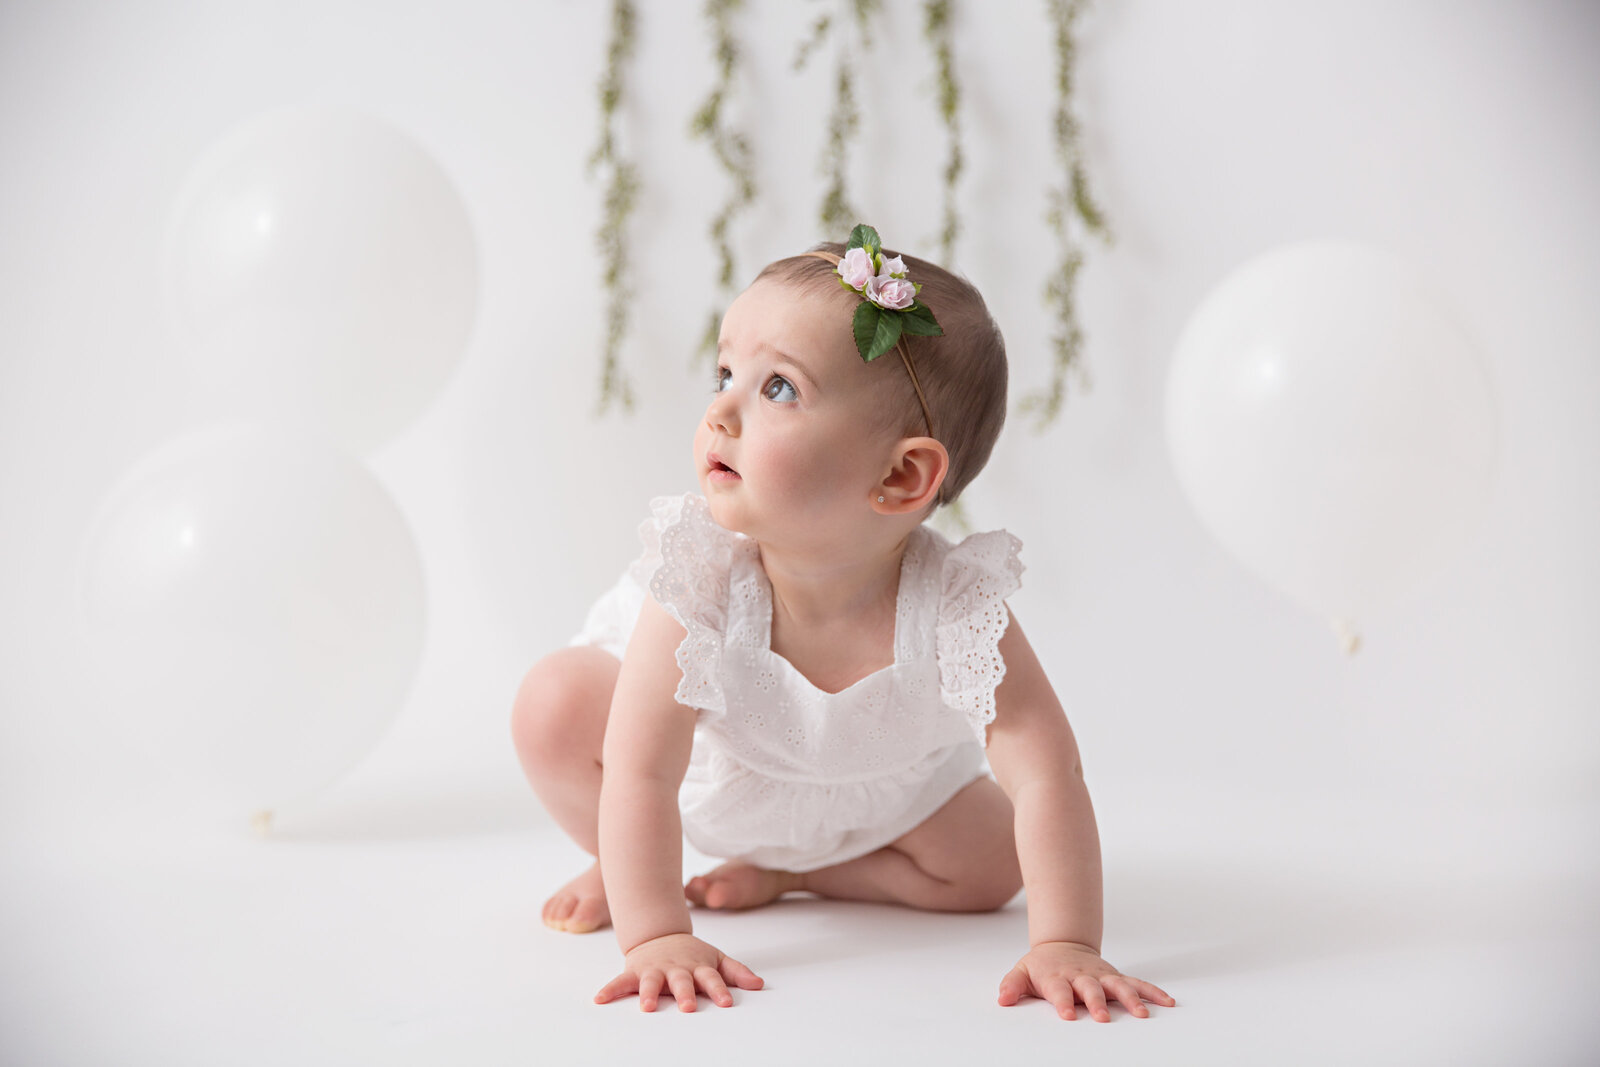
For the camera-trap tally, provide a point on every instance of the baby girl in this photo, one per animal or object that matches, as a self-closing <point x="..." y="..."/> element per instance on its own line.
<point x="805" y="680"/>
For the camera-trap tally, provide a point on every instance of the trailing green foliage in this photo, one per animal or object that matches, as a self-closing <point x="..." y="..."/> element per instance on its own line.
<point x="621" y="195"/>
<point x="1072" y="211"/>
<point x="1068" y="209"/>
<point x="813" y="41"/>
<point x="844" y="119"/>
<point x="732" y="151"/>
<point x="936" y="28"/>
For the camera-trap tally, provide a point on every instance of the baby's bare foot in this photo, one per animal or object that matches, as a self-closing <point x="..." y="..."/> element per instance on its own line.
<point x="738" y="885"/>
<point x="579" y="907"/>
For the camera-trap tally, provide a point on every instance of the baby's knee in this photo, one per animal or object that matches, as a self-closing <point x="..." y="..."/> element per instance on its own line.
<point x="990" y="891"/>
<point x="562" y="704"/>
<point x="990" y="880"/>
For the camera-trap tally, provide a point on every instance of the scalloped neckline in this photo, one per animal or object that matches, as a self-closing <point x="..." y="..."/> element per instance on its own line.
<point x="900" y="594"/>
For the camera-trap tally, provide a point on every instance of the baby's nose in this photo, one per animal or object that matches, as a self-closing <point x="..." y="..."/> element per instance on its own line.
<point x="723" y="414"/>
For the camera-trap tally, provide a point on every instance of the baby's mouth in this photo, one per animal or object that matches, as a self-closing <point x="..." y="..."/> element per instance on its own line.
<point x="719" y="467"/>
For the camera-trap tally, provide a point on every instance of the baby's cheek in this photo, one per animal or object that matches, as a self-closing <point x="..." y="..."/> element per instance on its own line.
<point x="812" y="476"/>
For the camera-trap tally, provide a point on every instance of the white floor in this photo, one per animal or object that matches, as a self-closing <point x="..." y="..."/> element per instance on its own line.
<point x="398" y="924"/>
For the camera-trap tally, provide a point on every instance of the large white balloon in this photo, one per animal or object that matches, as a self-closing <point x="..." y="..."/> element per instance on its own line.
<point x="1332" y="425"/>
<point x="321" y="270"/>
<point x="255" y="604"/>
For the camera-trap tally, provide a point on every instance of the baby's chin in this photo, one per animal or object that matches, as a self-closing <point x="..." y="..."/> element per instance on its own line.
<point x="723" y="511"/>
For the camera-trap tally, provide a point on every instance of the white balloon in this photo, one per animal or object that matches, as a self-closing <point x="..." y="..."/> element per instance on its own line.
<point x="321" y="270"/>
<point x="1333" y="427"/>
<point x="254" y="602"/>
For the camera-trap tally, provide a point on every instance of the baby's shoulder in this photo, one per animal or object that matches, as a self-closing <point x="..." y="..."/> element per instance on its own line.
<point x="680" y="531"/>
<point x="686" y="560"/>
<point x="968" y="582"/>
<point x="981" y="567"/>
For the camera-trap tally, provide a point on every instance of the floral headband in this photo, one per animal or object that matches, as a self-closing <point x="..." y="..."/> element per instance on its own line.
<point x="889" y="309"/>
<point x="890" y="306"/>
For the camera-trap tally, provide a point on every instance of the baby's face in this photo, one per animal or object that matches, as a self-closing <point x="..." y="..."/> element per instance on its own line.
<point x="791" y="448"/>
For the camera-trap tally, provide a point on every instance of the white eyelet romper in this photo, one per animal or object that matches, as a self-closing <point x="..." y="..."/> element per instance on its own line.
<point x="783" y="774"/>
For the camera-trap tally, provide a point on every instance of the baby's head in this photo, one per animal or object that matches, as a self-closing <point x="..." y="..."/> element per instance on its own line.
<point x="803" y="442"/>
<point x="962" y="373"/>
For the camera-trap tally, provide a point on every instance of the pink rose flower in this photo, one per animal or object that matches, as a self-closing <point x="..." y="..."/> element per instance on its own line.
<point x="897" y="294"/>
<point x="895" y="268"/>
<point x="856" y="268"/>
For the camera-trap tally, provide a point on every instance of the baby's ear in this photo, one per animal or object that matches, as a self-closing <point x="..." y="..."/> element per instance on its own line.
<point x="912" y="481"/>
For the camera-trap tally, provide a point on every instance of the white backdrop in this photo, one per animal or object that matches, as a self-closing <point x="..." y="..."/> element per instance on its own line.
<point x="1464" y="136"/>
<point x="1387" y="859"/>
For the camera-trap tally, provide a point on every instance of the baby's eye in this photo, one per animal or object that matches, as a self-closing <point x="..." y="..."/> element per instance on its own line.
<point x="780" y="390"/>
<point x="724" y="376"/>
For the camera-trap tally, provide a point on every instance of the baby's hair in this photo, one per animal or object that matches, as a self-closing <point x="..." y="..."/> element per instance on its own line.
<point x="962" y="372"/>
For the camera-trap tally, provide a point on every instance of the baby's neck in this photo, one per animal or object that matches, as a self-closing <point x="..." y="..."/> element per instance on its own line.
<point x="812" y="591"/>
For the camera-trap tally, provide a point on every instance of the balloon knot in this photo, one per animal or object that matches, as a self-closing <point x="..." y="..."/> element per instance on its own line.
<point x="1349" y="639"/>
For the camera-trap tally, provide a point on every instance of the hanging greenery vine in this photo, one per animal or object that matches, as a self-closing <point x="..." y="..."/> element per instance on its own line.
<point x="837" y="214"/>
<point x="1071" y="202"/>
<point x="813" y="41"/>
<point x="732" y="150"/>
<point x="952" y="519"/>
<point x="936" y="27"/>
<point x="1071" y="209"/>
<point x="620" y="196"/>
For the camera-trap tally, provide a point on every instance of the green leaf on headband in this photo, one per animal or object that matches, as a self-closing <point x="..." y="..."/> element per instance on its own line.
<point x="876" y="330"/>
<point x="865" y="327"/>
<point x="864" y="236"/>
<point x="918" y="321"/>
<point x="887" y="333"/>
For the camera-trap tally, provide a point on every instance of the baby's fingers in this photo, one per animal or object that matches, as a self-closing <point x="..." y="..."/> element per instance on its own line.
<point x="620" y="986"/>
<point x="739" y="974"/>
<point x="650" y="983"/>
<point x="1154" y="994"/>
<point x="1124" y="991"/>
<point x="682" y="983"/>
<point x="712" y="983"/>
<point x="1094" y="998"/>
<point x="1014" y="986"/>
<point x="1058" y="991"/>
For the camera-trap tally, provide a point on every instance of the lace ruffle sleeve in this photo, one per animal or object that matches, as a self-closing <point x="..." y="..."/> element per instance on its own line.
<point x="685" y="566"/>
<point x="978" y="575"/>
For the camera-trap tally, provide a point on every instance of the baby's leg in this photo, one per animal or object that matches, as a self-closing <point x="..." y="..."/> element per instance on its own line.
<point x="558" y="724"/>
<point x="962" y="858"/>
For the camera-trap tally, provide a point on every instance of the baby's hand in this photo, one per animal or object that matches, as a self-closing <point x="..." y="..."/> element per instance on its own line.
<point x="1064" y="972"/>
<point x="684" y="964"/>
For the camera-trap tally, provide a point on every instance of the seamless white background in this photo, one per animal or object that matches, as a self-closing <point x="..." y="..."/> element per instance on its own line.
<point x="1283" y="826"/>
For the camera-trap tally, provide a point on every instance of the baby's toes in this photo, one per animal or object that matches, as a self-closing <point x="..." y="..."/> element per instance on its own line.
<point x="558" y="909"/>
<point x="589" y="916"/>
<point x="695" y="890"/>
<point x="722" y="893"/>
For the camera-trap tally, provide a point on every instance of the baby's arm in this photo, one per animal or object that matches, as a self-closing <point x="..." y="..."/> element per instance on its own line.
<point x="1035" y="759"/>
<point x="648" y="739"/>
